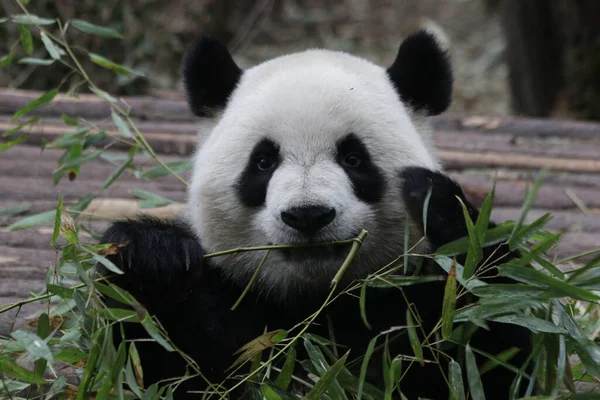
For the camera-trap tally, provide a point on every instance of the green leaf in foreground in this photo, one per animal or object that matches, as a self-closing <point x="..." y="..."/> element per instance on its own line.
<point x="57" y="220"/>
<point x="526" y="206"/>
<point x="365" y="366"/>
<point x="97" y="30"/>
<point x="327" y="379"/>
<point x="473" y="378"/>
<point x="11" y="368"/>
<point x="36" y="61"/>
<point x="475" y="253"/>
<point x="111" y="65"/>
<point x="21" y="125"/>
<point x="7" y="145"/>
<point x="414" y="337"/>
<point x="121" y="125"/>
<point x="160" y="171"/>
<point x="35" y="346"/>
<point x="26" y="39"/>
<point x="449" y="304"/>
<point x="69" y="121"/>
<point x="43" y="99"/>
<point x="285" y="376"/>
<point x="32" y="20"/>
<point x="33" y="220"/>
<point x="14" y="210"/>
<point x="50" y="46"/>
<point x="7" y="59"/>
<point x="154" y="332"/>
<point x="539" y="279"/>
<point x="456" y="381"/>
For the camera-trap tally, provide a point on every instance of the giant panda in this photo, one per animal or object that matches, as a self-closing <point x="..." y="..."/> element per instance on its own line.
<point x="308" y="148"/>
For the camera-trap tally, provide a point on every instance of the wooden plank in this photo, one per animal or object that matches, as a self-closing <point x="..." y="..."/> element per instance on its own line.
<point x="529" y="127"/>
<point x="475" y="141"/>
<point x="465" y="159"/>
<point x="91" y="106"/>
<point x="152" y="108"/>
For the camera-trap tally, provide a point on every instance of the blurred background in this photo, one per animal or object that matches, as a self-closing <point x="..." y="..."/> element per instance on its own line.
<point x="511" y="57"/>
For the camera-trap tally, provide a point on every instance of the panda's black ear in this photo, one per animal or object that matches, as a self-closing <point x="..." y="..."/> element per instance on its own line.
<point x="422" y="73"/>
<point x="210" y="75"/>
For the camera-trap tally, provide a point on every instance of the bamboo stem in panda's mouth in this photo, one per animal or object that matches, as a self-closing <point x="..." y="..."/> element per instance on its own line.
<point x="352" y="241"/>
<point x="356" y="244"/>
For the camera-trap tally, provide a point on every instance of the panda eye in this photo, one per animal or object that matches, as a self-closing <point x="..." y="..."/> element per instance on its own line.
<point x="352" y="160"/>
<point x="265" y="163"/>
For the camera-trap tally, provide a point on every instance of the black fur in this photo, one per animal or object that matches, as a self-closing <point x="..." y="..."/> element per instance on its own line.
<point x="252" y="184"/>
<point x="163" y="261"/>
<point x="422" y="73"/>
<point x="367" y="178"/>
<point x="210" y="76"/>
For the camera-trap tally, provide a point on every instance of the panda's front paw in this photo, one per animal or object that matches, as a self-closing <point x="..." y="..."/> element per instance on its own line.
<point x="445" y="217"/>
<point x="160" y="259"/>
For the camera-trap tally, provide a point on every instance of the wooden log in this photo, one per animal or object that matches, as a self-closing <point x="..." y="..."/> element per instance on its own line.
<point x="93" y="107"/>
<point x="477" y="142"/>
<point x="529" y="127"/>
<point x="463" y="159"/>
<point x="151" y="108"/>
<point x="31" y="189"/>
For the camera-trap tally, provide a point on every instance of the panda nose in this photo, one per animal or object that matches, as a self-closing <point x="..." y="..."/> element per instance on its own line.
<point x="308" y="220"/>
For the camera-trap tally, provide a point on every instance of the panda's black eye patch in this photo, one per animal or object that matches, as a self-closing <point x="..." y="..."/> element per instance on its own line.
<point x="253" y="182"/>
<point x="366" y="177"/>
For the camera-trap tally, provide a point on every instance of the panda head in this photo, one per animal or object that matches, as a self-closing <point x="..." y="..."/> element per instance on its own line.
<point x="306" y="148"/>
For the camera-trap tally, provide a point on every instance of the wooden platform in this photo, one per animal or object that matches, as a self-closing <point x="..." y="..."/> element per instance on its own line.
<point x="474" y="150"/>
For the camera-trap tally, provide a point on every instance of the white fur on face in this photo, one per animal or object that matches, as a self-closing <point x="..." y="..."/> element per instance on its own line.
<point x="306" y="103"/>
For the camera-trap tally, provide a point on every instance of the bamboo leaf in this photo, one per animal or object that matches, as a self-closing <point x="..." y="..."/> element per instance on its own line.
<point x="456" y="381"/>
<point x="50" y="46"/>
<point x="492" y="237"/>
<point x="363" y="304"/>
<point x="97" y="30"/>
<point x="10" y="368"/>
<point x="35" y="346"/>
<point x="327" y="380"/>
<point x="527" y="205"/>
<point x="285" y="376"/>
<point x="524" y="234"/>
<point x="111" y="65"/>
<point x="365" y="366"/>
<point x="17" y="209"/>
<point x="26" y="39"/>
<point x="32" y="20"/>
<point x="43" y="99"/>
<point x="21" y="125"/>
<point x="121" y="125"/>
<point x="153" y="331"/>
<point x="538" y="279"/>
<point x="473" y="377"/>
<point x="402" y="280"/>
<point x="7" y="59"/>
<point x="160" y="171"/>
<point x="7" y="145"/>
<point x="33" y="220"/>
<point x="36" y="61"/>
<point x="475" y="253"/>
<point x="150" y="200"/>
<point x="413" y="337"/>
<point x="535" y="325"/>
<point x="449" y="304"/>
<point x="57" y="220"/>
